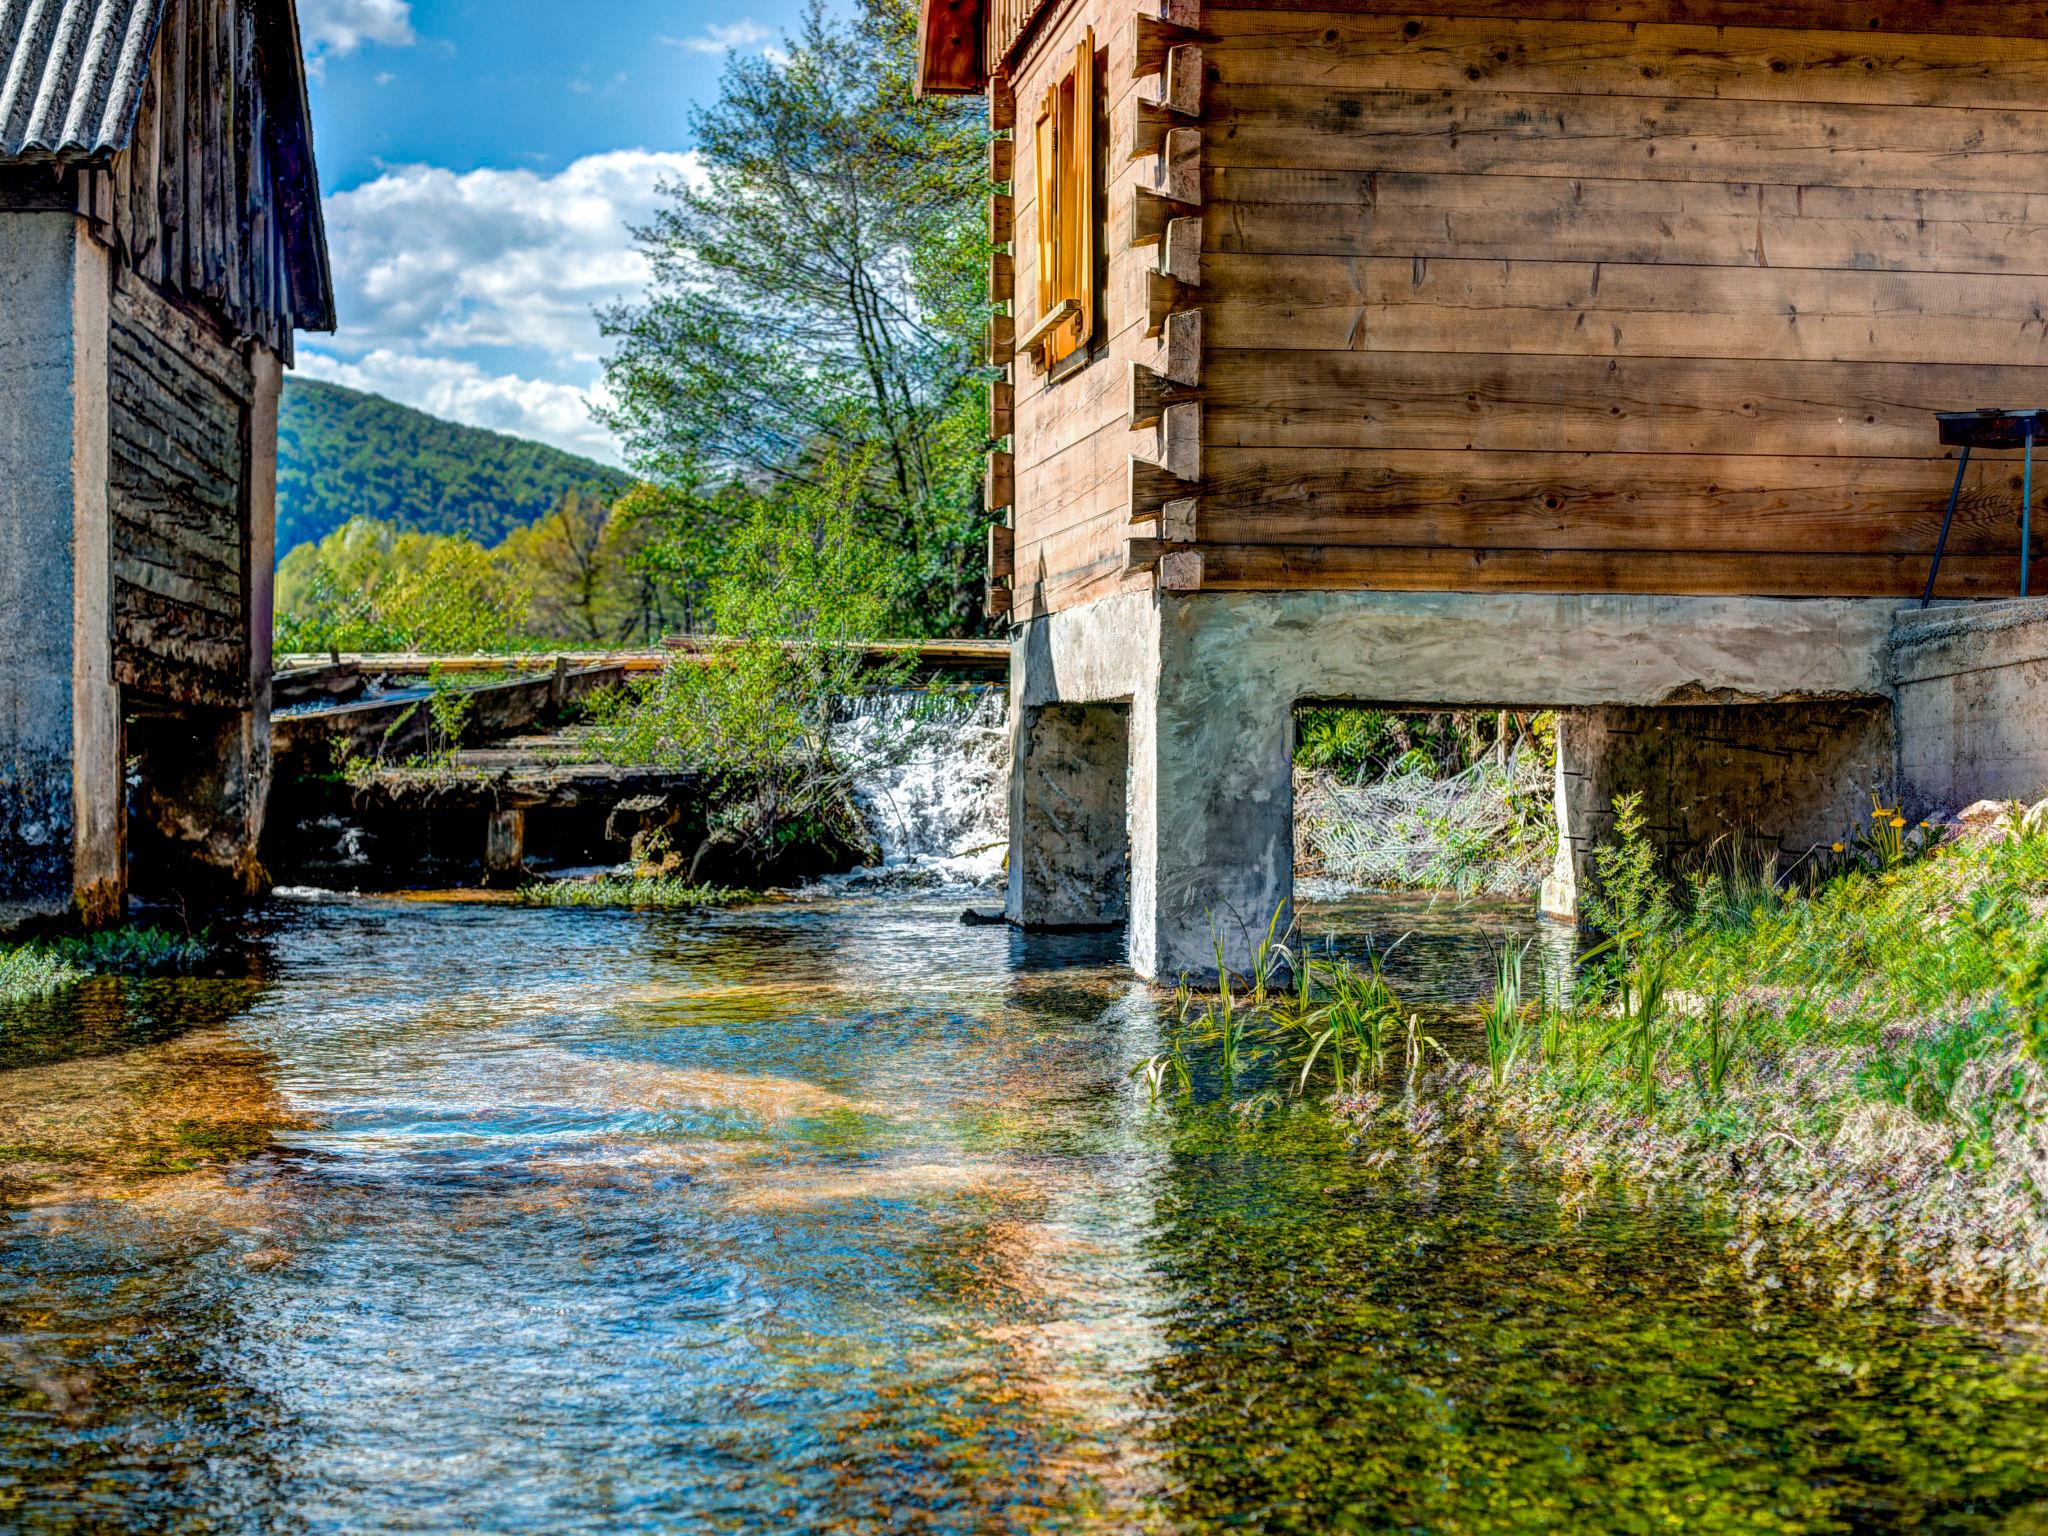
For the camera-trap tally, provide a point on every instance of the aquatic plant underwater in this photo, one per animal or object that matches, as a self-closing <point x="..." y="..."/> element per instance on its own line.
<point x="1861" y="1053"/>
<point x="41" y="967"/>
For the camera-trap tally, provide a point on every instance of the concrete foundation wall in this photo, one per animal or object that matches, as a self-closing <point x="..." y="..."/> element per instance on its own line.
<point x="60" y="816"/>
<point x="1972" y="690"/>
<point x="1736" y="703"/>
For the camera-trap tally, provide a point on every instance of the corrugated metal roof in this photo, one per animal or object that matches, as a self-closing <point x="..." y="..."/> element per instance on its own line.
<point x="71" y="75"/>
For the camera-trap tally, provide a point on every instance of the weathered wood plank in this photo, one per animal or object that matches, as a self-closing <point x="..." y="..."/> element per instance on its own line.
<point x="1276" y="399"/>
<point x="1972" y="18"/>
<point x="1590" y="309"/>
<point x="1507" y="218"/>
<point x="1591" y="501"/>
<point x="1621" y="137"/>
<point x="1270" y="567"/>
<point x="1418" y="52"/>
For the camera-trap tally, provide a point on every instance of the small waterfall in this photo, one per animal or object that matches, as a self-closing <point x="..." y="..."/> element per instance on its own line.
<point x="933" y="783"/>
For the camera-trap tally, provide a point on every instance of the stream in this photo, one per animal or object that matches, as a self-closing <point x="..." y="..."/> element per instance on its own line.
<point x="837" y="1215"/>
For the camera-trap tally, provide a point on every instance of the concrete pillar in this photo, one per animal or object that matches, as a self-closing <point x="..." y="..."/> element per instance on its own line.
<point x="1069" y="847"/>
<point x="1792" y="777"/>
<point x="60" y="715"/>
<point x="1212" y="816"/>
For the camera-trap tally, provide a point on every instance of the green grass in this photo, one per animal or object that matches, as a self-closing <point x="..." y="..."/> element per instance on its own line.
<point x="46" y="966"/>
<point x="657" y="892"/>
<point x="1867" y="1056"/>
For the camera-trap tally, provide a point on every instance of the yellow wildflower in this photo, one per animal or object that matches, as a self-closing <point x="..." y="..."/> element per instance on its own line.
<point x="1898" y="821"/>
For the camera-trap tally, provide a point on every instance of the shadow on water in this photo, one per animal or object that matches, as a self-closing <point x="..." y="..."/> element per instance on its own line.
<point x="838" y="1216"/>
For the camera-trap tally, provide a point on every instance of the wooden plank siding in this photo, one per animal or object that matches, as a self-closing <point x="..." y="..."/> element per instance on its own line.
<point x="1572" y="295"/>
<point x="192" y="204"/>
<point x="178" y="411"/>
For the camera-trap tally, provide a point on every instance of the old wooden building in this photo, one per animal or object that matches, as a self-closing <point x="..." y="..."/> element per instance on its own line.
<point x="1316" y="315"/>
<point x="160" y="243"/>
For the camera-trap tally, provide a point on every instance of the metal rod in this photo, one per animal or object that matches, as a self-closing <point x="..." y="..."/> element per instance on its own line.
<point x="1948" y="517"/>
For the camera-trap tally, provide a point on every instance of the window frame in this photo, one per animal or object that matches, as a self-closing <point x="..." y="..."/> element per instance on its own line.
<point x="1064" y="151"/>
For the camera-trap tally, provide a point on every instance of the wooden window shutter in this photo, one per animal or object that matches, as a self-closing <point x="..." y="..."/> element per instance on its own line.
<point x="1065" y="147"/>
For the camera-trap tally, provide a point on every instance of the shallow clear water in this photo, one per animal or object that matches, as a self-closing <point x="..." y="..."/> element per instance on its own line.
<point x="844" y="1217"/>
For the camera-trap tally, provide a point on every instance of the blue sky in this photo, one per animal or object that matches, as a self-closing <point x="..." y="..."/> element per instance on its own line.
<point x="481" y="161"/>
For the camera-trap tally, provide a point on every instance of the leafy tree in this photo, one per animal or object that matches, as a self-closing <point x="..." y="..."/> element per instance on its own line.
<point x="815" y="302"/>
<point x="370" y="587"/>
<point x="801" y="589"/>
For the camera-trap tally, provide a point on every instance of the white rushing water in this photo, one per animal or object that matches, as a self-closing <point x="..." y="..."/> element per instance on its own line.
<point x="933" y="786"/>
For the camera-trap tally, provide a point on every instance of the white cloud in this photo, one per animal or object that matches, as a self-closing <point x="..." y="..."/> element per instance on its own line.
<point x="723" y="37"/>
<point x="343" y="26"/>
<point x="544" y="409"/>
<point x="441" y="275"/>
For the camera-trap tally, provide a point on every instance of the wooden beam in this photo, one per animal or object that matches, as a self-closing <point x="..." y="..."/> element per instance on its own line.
<point x="1141" y="553"/>
<point x="1002" y="340"/>
<point x="1242" y="567"/>
<point x="1177" y="520"/>
<point x="1180" y="84"/>
<point x="1002" y="552"/>
<point x="1179" y="433"/>
<point x="949" y="48"/>
<point x="1002" y="105"/>
<point x="1150" y="214"/>
<point x="1002" y="278"/>
<point x="1002" y="211"/>
<point x="1001" y="160"/>
<point x="1152" y="38"/>
<point x="1180" y="255"/>
<point x="1177" y="175"/>
<point x="1001" y="409"/>
<point x="1151" y="392"/>
<point x="1179" y="356"/>
<point x="1164" y="294"/>
<point x="1180" y="570"/>
<point x="1152" y="486"/>
<point x="999" y="487"/>
<point x="996" y="601"/>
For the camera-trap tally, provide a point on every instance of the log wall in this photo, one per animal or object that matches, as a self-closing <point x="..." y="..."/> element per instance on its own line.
<point x="1563" y="295"/>
<point x="179" y="401"/>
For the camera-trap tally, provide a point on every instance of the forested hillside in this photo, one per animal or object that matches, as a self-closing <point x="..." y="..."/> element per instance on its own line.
<point x="344" y="454"/>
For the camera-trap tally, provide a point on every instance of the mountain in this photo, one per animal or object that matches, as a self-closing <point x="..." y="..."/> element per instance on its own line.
<point x="343" y="454"/>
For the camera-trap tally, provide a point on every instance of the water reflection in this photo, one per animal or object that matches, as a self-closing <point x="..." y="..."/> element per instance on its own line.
<point x="842" y="1217"/>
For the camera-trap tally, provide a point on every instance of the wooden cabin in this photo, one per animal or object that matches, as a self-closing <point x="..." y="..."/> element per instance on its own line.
<point x="160" y="243"/>
<point x="1576" y="296"/>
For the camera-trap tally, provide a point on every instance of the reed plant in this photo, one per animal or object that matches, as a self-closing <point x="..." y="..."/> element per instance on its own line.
<point x="1506" y="1018"/>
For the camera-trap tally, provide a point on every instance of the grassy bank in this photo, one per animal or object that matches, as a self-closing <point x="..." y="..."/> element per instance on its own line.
<point x="46" y="966"/>
<point x="1858" y="1068"/>
<point x="1862" y="1062"/>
